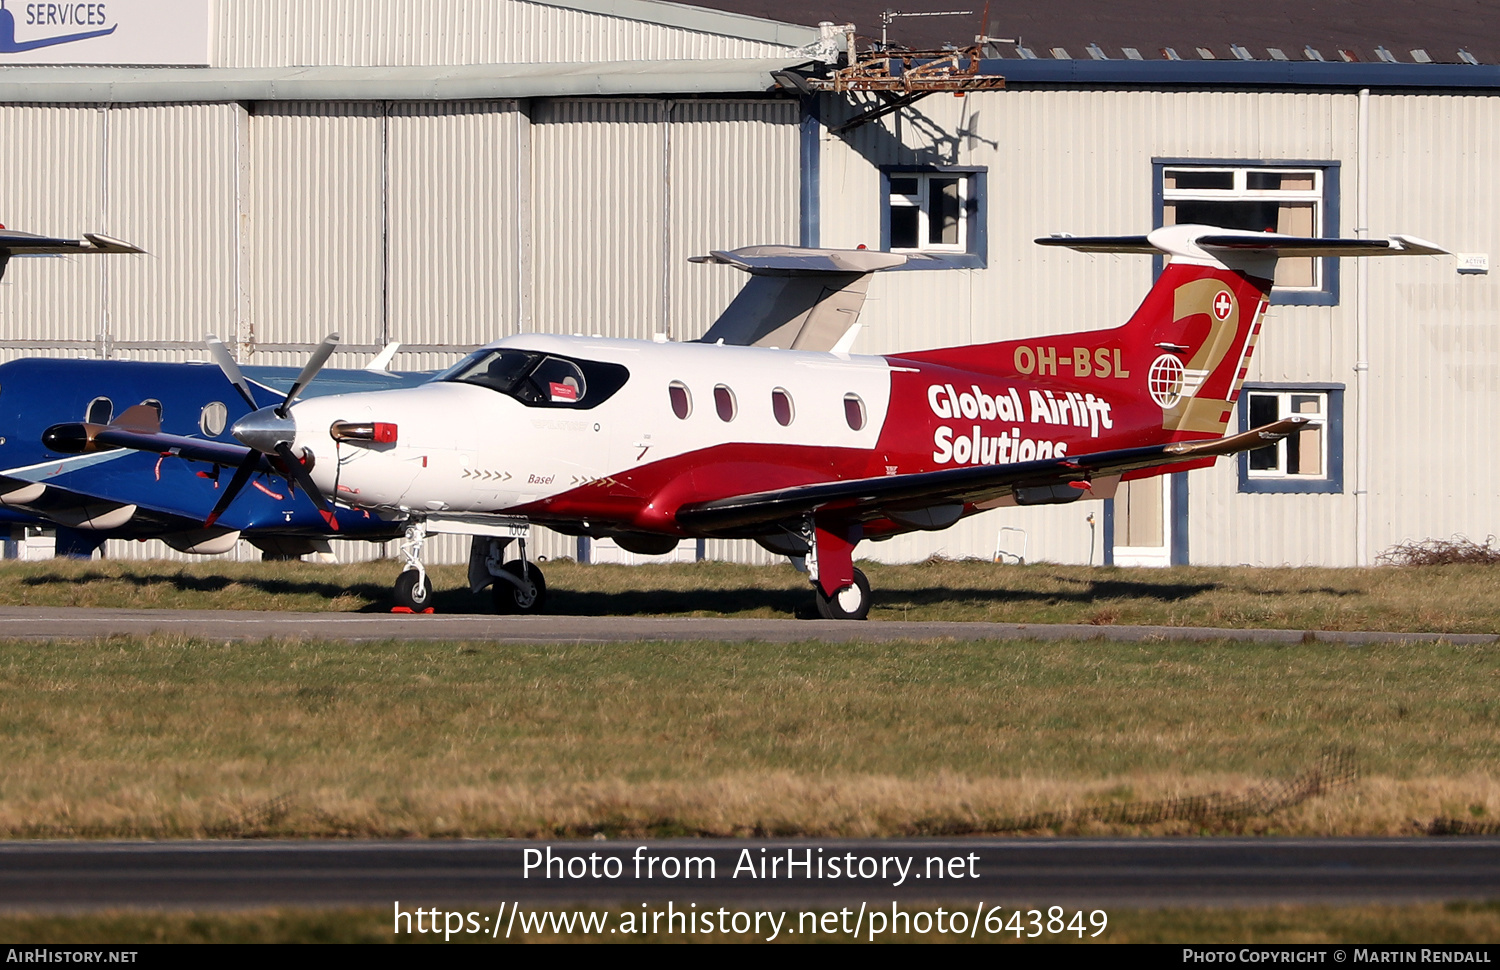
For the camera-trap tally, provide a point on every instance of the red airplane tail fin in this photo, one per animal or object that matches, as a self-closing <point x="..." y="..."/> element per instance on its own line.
<point x="1188" y="346"/>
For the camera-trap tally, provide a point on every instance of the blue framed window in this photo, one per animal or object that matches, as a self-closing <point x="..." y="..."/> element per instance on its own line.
<point x="1299" y="198"/>
<point x="937" y="211"/>
<point x="1310" y="461"/>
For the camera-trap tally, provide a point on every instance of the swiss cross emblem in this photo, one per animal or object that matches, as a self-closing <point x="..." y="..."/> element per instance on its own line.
<point x="1223" y="305"/>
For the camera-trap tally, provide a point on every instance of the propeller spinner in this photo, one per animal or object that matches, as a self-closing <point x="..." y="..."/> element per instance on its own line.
<point x="271" y="431"/>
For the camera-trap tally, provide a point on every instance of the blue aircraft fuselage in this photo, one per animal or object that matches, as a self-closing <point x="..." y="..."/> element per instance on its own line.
<point x="171" y="493"/>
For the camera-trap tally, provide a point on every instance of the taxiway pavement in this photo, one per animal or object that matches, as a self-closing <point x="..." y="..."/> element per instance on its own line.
<point x="1093" y="873"/>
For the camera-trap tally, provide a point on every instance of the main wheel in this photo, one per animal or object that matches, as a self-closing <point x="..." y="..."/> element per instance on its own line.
<point x="510" y="598"/>
<point x="850" y="603"/>
<point x="409" y="595"/>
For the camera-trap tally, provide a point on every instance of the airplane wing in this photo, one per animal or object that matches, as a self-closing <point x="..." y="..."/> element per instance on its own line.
<point x="1031" y="483"/>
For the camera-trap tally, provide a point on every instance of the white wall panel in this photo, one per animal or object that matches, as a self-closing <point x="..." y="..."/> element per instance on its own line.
<point x="275" y="33"/>
<point x="171" y="186"/>
<point x="51" y="182"/>
<point x="734" y="178"/>
<point x="1435" y="335"/>
<point x="455" y="199"/>
<point x="599" y="211"/>
<point x="316" y="230"/>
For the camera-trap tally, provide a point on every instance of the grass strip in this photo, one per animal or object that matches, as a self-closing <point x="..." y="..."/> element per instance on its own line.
<point x="172" y="737"/>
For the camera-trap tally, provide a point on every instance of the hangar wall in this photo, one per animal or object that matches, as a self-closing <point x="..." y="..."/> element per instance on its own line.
<point x="447" y="224"/>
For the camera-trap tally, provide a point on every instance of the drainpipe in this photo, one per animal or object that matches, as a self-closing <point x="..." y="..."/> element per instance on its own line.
<point x="1362" y="343"/>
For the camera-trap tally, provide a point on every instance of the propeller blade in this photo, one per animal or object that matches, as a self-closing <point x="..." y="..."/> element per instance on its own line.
<point x="225" y="360"/>
<point x="240" y="480"/>
<point x="304" y="481"/>
<point x="314" y="364"/>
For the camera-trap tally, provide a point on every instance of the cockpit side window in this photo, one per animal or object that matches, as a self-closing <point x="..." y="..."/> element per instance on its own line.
<point x="540" y="380"/>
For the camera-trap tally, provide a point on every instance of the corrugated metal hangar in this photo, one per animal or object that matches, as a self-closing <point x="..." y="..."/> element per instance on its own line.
<point x="445" y="172"/>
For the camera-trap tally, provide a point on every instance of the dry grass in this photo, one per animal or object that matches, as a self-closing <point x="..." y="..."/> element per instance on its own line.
<point x="1448" y="599"/>
<point x="1425" y="923"/>
<point x="168" y="737"/>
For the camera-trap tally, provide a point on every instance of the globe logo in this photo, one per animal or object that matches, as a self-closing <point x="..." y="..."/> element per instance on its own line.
<point x="1164" y="381"/>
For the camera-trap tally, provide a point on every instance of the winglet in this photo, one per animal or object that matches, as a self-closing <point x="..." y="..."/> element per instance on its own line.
<point x="382" y="362"/>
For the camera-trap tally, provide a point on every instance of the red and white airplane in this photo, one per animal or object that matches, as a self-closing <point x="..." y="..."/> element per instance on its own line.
<point x="806" y="451"/>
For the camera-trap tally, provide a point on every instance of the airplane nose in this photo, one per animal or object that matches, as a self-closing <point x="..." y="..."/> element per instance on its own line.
<point x="263" y="430"/>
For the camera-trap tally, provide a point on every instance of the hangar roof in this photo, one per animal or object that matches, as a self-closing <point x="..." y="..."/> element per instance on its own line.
<point x="1438" y="29"/>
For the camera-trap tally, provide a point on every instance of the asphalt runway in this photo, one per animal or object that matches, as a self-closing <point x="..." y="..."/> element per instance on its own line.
<point x="1015" y="873"/>
<point x="45" y="623"/>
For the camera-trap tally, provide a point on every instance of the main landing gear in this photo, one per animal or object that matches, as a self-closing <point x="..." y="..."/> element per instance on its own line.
<point x="841" y="591"/>
<point x="517" y="586"/>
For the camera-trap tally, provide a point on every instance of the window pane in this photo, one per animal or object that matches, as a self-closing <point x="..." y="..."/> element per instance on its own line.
<point x="946" y="207"/>
<point x="904" y="227"/>
<point x="854" y="412"/>
<point x="1264" y="409"/>
<point x="781" y="406"/>
<point x="101" y="409"/>
<point x="1306" y="457"/>
<point x="1189" y="179"/>
<point x="1255" y="216"/>
<point x="682" y="401"/>
<point x="1297" y="219"/>
<point x="1307" y="403"/>
<point x="559" y="381"/>
<point x="1280" y="181"/>
<point x="904" y="185"/>
<point x="724" y="403"/>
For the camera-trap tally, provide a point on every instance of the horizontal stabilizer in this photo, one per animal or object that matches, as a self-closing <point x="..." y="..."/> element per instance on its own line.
<point x="790" y="260"/>
<point x="13" y="243"/>
<point x="1216" y="245"/>
<point x="30" y="244"/>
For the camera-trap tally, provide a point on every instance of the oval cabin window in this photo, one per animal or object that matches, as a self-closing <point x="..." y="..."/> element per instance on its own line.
<point x="724" y="402"/>
<point x="101" y="409"/>
<point x="682" y="401"/>
<point x="854" y="412"/>
<point x="213" y="418"/>
<point x="781" y="406"/>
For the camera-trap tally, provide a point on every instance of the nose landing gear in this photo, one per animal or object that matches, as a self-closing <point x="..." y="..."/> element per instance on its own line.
<point x="517" y="585"/>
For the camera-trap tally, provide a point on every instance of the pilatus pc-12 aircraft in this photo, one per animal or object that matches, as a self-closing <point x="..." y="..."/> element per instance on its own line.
<point x="808" y="452"/>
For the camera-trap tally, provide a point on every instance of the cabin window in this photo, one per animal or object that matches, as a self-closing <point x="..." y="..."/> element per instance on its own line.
<point x="213" y="418"/>
<point x="781" y="406"/>
<point x="537" y="379"/>
<point x="724" y="403"/>
<point x="100" y="410"/>
<point x="1311" y="460"/>
<point x="682" y="399"/>
<point x="854" y="412"/>
<point x="1296" y="199"/>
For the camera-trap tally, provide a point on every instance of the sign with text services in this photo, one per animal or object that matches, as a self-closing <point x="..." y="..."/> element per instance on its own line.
<point x="124" y="32"/>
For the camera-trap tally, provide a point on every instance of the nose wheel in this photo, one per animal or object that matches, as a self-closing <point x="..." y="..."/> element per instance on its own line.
<point x="413" y="592"/>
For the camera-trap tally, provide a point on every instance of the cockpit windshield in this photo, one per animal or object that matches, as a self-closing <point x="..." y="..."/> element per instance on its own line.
<point x="538" y="379"/>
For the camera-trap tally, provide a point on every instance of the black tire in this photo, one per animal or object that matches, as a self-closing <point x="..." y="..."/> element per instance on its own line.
<point x="852" y="602"/>
<point x="405" y="592"/>
<point x="511" y="599"/>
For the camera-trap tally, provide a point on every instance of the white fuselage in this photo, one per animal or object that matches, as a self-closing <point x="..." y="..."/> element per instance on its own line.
<point x="467" y="448"/>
